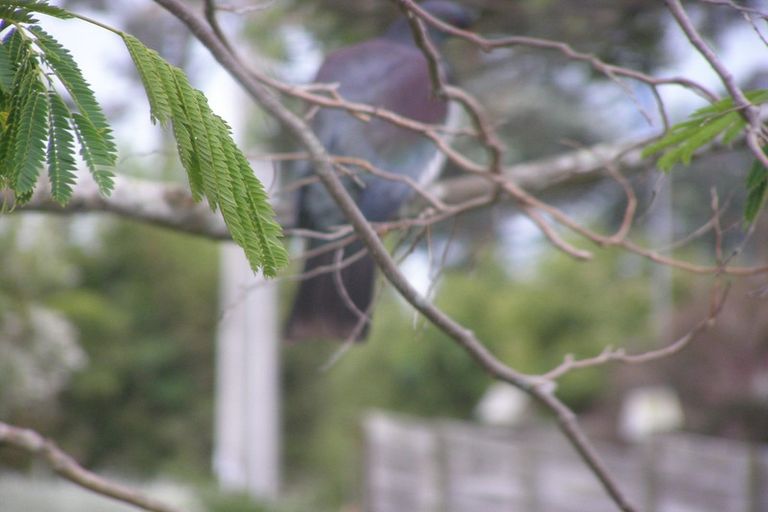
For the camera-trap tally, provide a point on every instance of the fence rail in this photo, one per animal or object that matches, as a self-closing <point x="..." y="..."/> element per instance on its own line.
<point x="447" y="466"/>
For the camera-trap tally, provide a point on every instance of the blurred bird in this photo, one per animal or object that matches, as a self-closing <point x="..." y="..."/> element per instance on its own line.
<point x="389" y="72"/>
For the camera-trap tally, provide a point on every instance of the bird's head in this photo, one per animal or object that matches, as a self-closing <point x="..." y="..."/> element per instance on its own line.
<point x="450" y="12"/>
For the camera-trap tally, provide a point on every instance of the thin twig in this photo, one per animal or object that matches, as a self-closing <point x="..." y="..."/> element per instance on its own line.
<point x="566" y="419"/>
<point x="749" y="111"/>
<point x="610" y="355"/>
<point x="67" y="467"/>
<point x="742" y="8"/>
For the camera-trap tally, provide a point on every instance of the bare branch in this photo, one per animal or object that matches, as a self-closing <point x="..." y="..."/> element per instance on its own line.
<point x="324" y="170"/>
<point x="210" y="8"/>
<point x="733" y="5"/>
<point x="66" y="467"/>
<point x="749" y="111"/>
<point x="163" y="204"/>
<point x="609" y="354"/>
<point x="609" y="70"/>
<point x="245" y="9"/>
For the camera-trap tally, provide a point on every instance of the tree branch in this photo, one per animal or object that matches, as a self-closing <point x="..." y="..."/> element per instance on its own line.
<point x="67" y="467"/>
<point x="171" y="205"/>
<point x="749" y="111"/>
<point x="324" y="170"/>
<point x="163" y="204"/>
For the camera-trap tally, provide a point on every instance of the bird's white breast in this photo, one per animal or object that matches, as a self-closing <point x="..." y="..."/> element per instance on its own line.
<point x="435" y="164"/>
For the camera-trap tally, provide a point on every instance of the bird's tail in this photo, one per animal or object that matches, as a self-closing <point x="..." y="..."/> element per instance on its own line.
<point x="335" y="303"/>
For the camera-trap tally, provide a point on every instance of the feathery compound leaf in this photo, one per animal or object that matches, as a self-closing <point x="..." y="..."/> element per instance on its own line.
<point x="93" y="131"/>
<point x="29" y="147"/>
<point x="6" y="70"/>
<point x="97" y="156"/>
<point x="39" y="6"/>
<point x="702" y="127"/>
<point x="151" y="67"/>
<point x="757" y="186"/>
<point x="260" y="240"/>
<point x="35" y="123"/>
<point x="68" y="72"/>
<point x="262" y="244"/>
<point x="61" y="151"/>
<point x="18" y="50"/>
<point x="216" y="168"/>
<point x="195" y="123"/>
<point x="25" y="85"/>
<point x="242" y="199"/>
<point x="15" y="14"/>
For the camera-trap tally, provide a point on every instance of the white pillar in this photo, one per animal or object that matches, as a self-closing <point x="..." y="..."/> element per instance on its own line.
<point x="247" y="425"/>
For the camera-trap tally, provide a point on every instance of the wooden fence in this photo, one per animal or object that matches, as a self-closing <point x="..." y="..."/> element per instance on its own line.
<point x="442" y="466"/>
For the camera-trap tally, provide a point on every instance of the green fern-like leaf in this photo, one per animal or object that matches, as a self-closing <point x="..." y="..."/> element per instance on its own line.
<point x="14" y="14"/>
<point x="97" y="157"/>
<point x="194" y="121"/>
<point x="757" y="190"/>
<point x="26" y="6"/>
<point x="6" y="70"/>
<point x="150" y="67"/>
<point x="61" y="150"/>
<point x="691" y="138"/>
<point x="93" y="132"/>
<point x="216" y="168"/>
<point x="29" y="143"/>
<point x="186" y="128"/>
<point x="233" y="195"/>
<point x="24" y="87"/>
<point x="254" y="202"/>
<point x="703" y="126"/>
<point x="17" y="47"/>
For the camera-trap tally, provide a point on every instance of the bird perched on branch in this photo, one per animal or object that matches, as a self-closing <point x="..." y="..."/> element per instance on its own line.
<point x="392" y="73"/>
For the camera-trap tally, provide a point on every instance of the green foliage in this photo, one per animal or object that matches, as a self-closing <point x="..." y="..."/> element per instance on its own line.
<point x="97" y="147"/>
<point x="215" y="166"/>
<point x="530" y="323"/>
<point x="61" y="150"/>
<point x="142" y="306"/>
<point x="221" y="501"/>
<point x="19" y="10"/>
<point x="703" y="126"/>
<point x="34" y="116"/>
<point x="6" y="72"/>
<point x="37" y="126"/>
<point x="721" y="119"/>
<point x="28" y="152"/>
<point x="757" y="185"/>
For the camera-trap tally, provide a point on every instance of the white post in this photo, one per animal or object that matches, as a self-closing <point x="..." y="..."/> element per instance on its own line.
<point x="247" y="437"/>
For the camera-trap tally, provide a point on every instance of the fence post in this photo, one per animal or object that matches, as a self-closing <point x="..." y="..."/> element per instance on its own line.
<point x="648" y="459"/>
<point x="754" y="479"/>
<point x="530" y="476"/>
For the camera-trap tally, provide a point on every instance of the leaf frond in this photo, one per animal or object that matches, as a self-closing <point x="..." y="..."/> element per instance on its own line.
<point x="29" y="143"/>
<point x="25" y="84"/>
<point x="720" y="119"/>
<point x="15" y="14"/>
<point x="40" y="6"/>
<point x="6" y="69"/>
<point x="216" y="168"/>
<point x="150" y="67"/>
<point x="97" y="157"/>
<point x="61" y="150"/>
<point x="93" y="132"/>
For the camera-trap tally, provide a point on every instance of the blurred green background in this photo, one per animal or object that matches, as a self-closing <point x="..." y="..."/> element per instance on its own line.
<point x="107" y="327"/>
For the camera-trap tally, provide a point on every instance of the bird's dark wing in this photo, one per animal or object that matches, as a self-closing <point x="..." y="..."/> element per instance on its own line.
<point x="384" y="74"/>
<point x="387" y="75"/>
